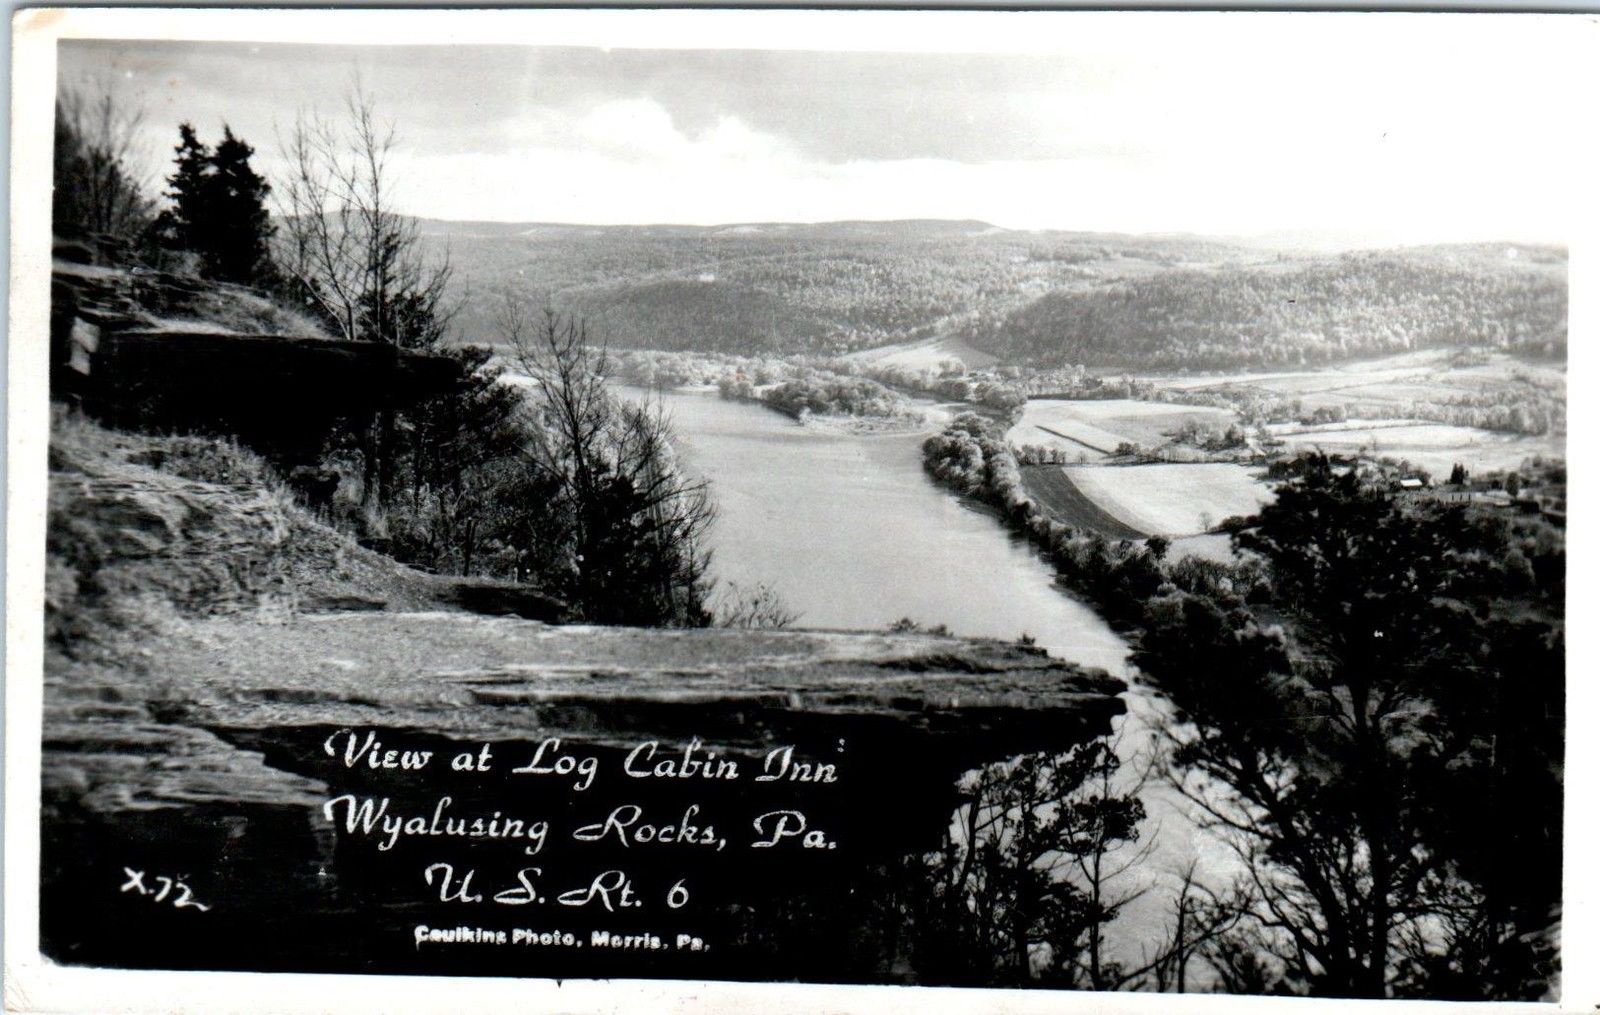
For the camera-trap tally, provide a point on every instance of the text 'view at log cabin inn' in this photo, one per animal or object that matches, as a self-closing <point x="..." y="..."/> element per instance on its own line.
<point x="936" y="586"/>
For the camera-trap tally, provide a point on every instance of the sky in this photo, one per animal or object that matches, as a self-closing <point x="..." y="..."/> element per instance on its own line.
<point x="1380" y="128"/>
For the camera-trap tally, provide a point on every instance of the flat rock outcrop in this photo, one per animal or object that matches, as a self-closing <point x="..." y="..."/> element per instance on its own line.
<point x="206" y="755"/>
<point x="143" y="349"/>
<point x="955" y="703"/>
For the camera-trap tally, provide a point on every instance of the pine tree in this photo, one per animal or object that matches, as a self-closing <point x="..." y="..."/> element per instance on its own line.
<point x="240" y="227"/>
<point x="176" y="227"/>
<point x="218" y="209"/>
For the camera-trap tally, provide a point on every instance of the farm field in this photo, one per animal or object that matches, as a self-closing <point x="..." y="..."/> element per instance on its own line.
<point x="1296" y="382"/>
<point x="926" y="354"/>
<point x="1171" y="500"/>
<point x="1051" y="487"/>
<point x="1384" y="387"/>
<point x="1095" y="427"/>
<point x="1435" y="447"/>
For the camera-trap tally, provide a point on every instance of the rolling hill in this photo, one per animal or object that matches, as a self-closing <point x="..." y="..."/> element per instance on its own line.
<point x="1296" y="313"/>
<point x="831" y="287"/>
<point x="1038" y="298"/>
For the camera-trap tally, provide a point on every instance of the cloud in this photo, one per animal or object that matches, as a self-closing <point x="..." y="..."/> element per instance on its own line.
<point x="1425" y="128"/>
<point x="643" y="131"/>
<point x="635" y="129"/>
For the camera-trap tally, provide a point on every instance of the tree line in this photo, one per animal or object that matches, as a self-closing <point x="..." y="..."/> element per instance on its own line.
<point x="1254" y="317"/>
<point x="1108" y="302"/>
<point x="1367" y="707"/>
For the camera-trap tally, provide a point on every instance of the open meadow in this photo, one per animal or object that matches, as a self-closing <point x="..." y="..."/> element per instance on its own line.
<point x="927" y="354"/>
<point x="1095" y="428"/>
<point x="1135" y="501"/>
<point x="1402" y="386"/>
<point x="1176" y="499"/>
<point x="1435" y="447"/>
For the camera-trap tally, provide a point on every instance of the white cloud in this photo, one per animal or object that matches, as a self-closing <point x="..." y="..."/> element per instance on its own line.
<point x="1383" y="192"/>
<point x="643" y="130"/>
<point x="634" y="128"/>
<point x="1413" y="128"/>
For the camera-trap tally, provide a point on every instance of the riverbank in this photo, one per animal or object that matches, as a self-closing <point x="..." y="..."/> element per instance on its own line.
<point x="1118" y="576"/>
<point x="923" y="422"/>
<point x="839" y="423"/>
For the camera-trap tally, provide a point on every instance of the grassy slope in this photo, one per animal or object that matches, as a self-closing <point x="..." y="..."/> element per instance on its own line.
<point x="205" y="306"/>
<point x="926" y="354"/>
<point x="146" y="529"/>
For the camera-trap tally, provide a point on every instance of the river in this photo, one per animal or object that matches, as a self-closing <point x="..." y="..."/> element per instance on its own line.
<point x="852" y="533"/>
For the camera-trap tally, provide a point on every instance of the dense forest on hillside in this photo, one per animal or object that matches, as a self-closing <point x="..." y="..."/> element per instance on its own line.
<point x="828" y="288"/>
<point x="1037" y="298"/>
<point x="1292" y="315"/>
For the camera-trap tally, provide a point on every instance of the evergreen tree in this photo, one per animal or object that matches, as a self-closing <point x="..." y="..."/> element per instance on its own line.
<point x="176" y="228"/>
<point x="186" y="190"/>
<point x="218" y="209"/>
<point x="240" y="227"/>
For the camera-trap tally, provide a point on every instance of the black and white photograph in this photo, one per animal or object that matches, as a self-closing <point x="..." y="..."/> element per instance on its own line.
<point x="1046" y="502"/>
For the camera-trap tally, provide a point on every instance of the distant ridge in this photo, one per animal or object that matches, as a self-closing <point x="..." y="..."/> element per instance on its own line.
<point x="1287" y="241"/>
<point x="845" y="286"/>
<point x="844" y="227"/>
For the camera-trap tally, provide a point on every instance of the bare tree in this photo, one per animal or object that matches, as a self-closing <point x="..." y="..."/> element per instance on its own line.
<point x="637" y="525"/>
<point x="100" y="186"/>
<point x="759" y="606"/>
<point x="353" y="256"/>
<point x="1201" y="917"/>
<point x="1025" y="877"/>
<point x="1103" y="870"/>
